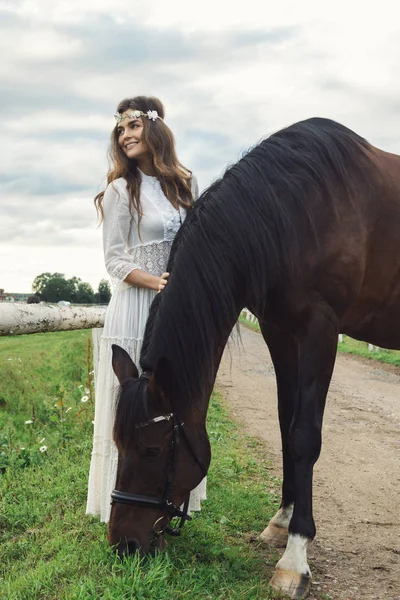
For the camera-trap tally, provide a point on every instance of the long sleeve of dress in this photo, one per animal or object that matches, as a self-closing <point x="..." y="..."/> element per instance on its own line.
<point x="116" y="226"/>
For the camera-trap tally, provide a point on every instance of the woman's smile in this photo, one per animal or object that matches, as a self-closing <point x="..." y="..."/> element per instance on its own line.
<point x="130" y="145"/>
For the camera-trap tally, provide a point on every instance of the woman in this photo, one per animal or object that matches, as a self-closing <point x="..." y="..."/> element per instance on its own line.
<point x="145" y="203"/>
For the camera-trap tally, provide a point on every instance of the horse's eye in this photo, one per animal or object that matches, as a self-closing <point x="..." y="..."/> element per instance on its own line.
<point x="152" y="452"/>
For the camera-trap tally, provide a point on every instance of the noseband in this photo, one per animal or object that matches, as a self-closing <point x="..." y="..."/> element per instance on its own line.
<point x="166" y="501"/>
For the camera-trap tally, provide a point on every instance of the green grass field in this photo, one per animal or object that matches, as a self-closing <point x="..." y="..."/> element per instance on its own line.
<point x="49" y="549"/>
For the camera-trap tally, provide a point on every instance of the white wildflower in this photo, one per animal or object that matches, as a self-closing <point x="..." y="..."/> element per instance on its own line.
<point x="22" y="447"/>
<point x="29" y="422"/>
<point x="43" y="449"/>
<point x="84" y="398"/>
<point x="87" y="391"/>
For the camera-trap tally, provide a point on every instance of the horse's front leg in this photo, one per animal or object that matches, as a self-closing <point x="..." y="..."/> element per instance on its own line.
<point x="317" y="346"/>
<point x="284" y="354"/>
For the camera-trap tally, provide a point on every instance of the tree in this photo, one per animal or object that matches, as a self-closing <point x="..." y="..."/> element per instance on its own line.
<point x="104" y="292"/>
<point x="75" y="281"/>
<point x="52" y="287"/>
<point x="40" y="282"/>
<point x="84" y="293"/>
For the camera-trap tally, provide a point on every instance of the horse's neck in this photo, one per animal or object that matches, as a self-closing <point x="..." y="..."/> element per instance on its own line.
<point x="189" y="332"/>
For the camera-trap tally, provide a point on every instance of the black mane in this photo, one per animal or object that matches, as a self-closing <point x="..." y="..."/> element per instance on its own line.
<point x="242" y="234"/>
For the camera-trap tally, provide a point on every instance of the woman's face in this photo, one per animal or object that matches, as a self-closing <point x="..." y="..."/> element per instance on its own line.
<point x="129" y="131"/>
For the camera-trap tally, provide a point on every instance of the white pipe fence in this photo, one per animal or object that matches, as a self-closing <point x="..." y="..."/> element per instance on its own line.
<point x="17" y="318"/>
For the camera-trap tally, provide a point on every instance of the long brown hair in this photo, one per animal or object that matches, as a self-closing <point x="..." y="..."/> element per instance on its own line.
<point x="174" y="178"/>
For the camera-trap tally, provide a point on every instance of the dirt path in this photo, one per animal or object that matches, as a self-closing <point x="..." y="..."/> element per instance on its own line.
<point x="356" y="554"/>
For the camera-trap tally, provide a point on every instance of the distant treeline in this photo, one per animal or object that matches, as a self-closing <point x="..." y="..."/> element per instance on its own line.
<point x="53" y="287"/>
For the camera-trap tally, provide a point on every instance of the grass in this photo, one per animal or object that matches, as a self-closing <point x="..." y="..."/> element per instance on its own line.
<point x="349" y="346"/>
<point x="50" y="550"/>
<point x="254" y="326"/>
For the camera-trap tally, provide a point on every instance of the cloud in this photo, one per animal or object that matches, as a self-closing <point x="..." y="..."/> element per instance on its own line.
<point x="228" y="77"/>
<point x="35" y="46"/>
<point x="47" y="220"/>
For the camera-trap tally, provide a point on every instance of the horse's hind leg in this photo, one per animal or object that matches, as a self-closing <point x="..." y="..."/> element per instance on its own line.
<point x="283" y="351"/>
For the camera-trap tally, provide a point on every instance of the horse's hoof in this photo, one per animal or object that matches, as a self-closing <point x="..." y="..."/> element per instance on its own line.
<point x="294" y="584"/>
<point x="274" y="535"/>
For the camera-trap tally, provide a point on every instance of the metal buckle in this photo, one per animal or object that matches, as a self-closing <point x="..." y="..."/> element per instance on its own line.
<point x="155" y="420"/>
<point x="160" y="530"/>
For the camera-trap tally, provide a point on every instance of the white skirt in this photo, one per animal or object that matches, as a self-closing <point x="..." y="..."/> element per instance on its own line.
<point x="126" y="314"/>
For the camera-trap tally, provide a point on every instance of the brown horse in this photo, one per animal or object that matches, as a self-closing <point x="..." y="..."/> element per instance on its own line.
<point x="305" y="232"/>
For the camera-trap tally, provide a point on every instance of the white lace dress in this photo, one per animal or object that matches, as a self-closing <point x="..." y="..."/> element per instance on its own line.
<point x="126" y="316"/>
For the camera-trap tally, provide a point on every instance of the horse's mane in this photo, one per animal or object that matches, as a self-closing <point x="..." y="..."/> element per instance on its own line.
<point x="239" y="239"/>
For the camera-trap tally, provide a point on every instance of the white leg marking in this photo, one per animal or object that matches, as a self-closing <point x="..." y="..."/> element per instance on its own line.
<point x="276" y="532"/>
<point x="295" y="556"/>
<point x="283" y="516"/>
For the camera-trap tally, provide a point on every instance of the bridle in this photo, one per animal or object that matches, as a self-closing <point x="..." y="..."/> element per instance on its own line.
<point x="165" y="502"/>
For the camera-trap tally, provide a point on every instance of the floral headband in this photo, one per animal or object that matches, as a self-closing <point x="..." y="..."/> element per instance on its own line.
<point x="152" y="115"/>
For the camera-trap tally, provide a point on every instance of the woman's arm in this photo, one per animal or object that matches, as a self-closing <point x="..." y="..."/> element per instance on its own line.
<point x="140" y="278"/>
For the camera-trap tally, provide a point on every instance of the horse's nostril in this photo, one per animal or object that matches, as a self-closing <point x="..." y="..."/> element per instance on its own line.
<point x="132" y="546"/>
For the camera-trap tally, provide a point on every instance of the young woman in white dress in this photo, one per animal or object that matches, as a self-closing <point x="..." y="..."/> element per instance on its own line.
<point x="142" y="209"/>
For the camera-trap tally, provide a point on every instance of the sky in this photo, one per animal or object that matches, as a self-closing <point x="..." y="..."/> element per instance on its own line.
<point x="229" y="74"/>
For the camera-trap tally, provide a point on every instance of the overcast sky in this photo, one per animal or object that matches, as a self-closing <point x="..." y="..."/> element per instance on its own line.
<point x="229" y="74"/>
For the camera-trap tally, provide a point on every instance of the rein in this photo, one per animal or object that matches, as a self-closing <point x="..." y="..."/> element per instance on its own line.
<point x="166" y="501"/>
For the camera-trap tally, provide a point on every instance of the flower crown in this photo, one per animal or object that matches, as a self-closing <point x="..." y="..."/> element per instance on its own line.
<point x="152" y="115"/>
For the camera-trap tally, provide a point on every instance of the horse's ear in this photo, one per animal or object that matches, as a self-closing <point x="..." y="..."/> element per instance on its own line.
<point x="122" y="364"/>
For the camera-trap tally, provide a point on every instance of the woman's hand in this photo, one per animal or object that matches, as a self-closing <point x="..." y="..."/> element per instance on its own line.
<point x="162" y="281"/>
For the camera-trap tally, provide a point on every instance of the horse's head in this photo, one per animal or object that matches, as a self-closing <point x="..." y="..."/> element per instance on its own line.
<point x="160" y="457"/>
